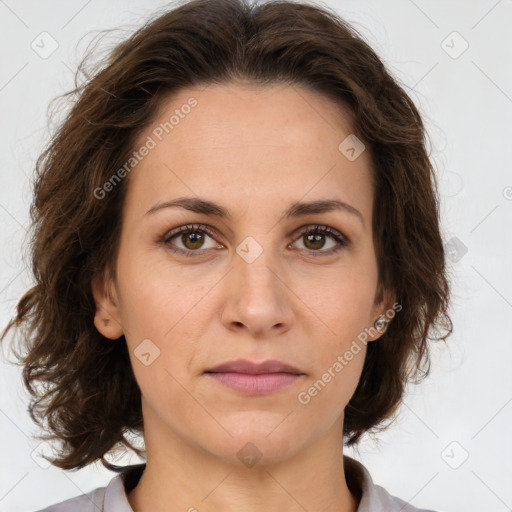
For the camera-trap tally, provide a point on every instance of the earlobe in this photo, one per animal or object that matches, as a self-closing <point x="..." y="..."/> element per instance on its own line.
<point x="106" y="318"/>
<point x="385" y="309"/>
<point x="110" y="328"/>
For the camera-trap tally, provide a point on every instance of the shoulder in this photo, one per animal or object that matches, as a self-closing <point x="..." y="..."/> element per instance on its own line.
<point x="112" y="498"/>
<point x="89" y="502"/>
<point x="373" y="498"/>
<point x="390" y="503"/>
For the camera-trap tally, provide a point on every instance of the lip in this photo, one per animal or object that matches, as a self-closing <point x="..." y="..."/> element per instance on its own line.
<point x="251" y="378"/>
<point x="249" y="367"/>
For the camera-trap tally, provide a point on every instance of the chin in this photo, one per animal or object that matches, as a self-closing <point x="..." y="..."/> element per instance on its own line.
<point x="258" y="442"/>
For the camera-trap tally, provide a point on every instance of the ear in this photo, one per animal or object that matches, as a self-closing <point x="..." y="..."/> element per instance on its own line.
<point x="106" y="319"/>
<point x="385" y="304"/>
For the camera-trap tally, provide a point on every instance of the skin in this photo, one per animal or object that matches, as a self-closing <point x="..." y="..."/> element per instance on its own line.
<point x="254" y="150"/>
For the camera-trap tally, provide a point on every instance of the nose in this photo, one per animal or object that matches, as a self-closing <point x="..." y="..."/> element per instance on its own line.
<point x="257" y="298"/>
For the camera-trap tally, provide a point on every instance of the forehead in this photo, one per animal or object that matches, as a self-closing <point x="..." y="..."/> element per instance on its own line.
<point x="255" y="142"/>
<point x="242" y="114"/>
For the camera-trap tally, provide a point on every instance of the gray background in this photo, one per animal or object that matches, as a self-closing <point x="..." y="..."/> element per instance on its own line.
<point x="447" y="449"/>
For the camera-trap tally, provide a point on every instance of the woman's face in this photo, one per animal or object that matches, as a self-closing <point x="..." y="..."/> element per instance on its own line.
<point x="251" y="284"/>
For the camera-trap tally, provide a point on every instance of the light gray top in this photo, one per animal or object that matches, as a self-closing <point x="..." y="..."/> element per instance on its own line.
<point x="112" y="498"/>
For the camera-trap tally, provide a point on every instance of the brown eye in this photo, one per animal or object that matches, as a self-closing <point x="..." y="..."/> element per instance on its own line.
<point x="192" y="239"/>
<point x="314" y="239"/>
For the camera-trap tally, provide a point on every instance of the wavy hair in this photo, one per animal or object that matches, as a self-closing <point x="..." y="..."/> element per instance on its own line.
<point x="82" y="387"/>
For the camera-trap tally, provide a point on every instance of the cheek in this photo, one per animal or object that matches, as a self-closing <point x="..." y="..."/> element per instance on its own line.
<point x="342" y="304"/>
<point x="158" y="294"/>
<point x="167" y="305"/>
<point x="341" y="299"/>
<point x="161" y="329"/>
<point x="326" y="394"/>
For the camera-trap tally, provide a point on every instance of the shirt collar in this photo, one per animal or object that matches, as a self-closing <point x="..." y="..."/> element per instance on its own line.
<point x="358" y="480"/>
<point x="116" y="493"/>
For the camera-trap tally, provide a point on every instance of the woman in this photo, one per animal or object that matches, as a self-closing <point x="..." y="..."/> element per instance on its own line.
<point x="237" y="254"/>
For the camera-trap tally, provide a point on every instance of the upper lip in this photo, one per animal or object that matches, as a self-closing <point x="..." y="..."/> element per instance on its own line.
<point x="246" y="366"/>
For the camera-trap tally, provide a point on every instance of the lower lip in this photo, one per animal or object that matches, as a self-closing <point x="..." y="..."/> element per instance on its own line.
<point x="259" y="384"/>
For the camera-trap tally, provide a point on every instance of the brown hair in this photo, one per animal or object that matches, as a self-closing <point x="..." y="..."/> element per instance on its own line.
<point x="89" y="395"/>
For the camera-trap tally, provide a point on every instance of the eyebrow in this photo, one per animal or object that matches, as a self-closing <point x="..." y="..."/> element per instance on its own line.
<point x="297" y="209"/>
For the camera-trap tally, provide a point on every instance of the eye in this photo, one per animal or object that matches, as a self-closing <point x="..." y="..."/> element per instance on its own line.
<point x="313" y="239"/>
<point x="193" y="236"/>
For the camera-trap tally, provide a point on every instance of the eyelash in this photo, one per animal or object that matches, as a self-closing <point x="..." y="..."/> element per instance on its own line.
<point x="341" y="240"/>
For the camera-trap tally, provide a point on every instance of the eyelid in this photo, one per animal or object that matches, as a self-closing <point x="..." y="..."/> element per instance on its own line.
<point x="321" y="228"/>
<point x="341" y="240"/>
<point x="171" y="233"/>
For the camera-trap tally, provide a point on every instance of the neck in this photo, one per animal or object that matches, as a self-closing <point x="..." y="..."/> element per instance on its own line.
<point x="181" y="476"/>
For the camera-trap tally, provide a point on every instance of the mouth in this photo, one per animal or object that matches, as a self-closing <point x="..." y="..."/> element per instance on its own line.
<point x="251" y="378"/>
